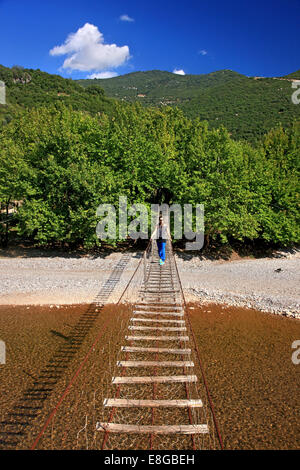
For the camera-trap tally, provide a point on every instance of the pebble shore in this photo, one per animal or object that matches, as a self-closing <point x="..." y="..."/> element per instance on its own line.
<point x="266" y="284"/>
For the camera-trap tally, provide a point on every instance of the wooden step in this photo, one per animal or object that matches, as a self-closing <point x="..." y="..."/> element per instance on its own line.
<point x="155" y="304"/>
<point x="154" y="320"/>
<point x="159" y="291"/>
<point x="162" y="272"/>
<point x="149" y="312"/>
<point x="157" y="338"/>
<point x="164" y="298"/>
<point x="155" y="350"/>
<point x="151" y="429"/>
<point x="160" y="379"/>
<point x="158" y="328"/>
<point x="162" y="280"/>
<point x="159" y="284"/>
<point x="160" y="296"/>
<point x="147" y="306"/>
<point x="167" y="277"/>
<point x="129" y="403"/>
<point x="158" y="281"/>
<point x="165" y="273"/>
<point x="155" y="364"/>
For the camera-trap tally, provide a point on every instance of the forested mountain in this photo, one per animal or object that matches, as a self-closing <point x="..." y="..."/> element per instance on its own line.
<point x="293" y="76"/>
<point x="247" y="106"/>
<point x="27" y="88"/>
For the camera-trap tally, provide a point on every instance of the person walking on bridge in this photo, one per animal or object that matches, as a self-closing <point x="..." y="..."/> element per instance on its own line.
<point x="161" y="240"/>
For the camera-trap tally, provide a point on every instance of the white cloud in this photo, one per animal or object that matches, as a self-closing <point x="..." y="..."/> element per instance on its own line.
<point x="107" y="74"/>
<point x="179" y="72"/>
<point x="126" y="18"/>
<point x="86" y="50"/>
<point x="202" y="52"/>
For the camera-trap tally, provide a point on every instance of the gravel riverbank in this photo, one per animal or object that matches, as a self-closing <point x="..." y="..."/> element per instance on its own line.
<point x="59" y="280"/>
<point x="267" y="284"/>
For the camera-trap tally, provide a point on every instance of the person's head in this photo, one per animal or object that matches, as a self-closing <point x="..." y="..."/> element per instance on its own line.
<point x="160" y="220"/>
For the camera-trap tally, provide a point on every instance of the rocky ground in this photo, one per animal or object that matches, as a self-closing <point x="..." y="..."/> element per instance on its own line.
<point x="59" y="279"/>
<point x="267" y="284"/>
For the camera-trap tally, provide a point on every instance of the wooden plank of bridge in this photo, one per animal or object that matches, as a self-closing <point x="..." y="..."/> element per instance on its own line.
<point x="148" y="305"/>
<point x="149" y="312"/>
<point x="155" y="350"/>
<point x="128" y="403"/>
<point x="166" y="297"/>
<point x="160" y="379"/>
<point x="161" y="288"/>
<point x="150" y="429"/>
<point x="161" y="296"/>
<point x="154" y="320"/>
<point x="166" y="283"/>
<point x="158" y="306"/>
<point x="165" y="290"/>
<point x="159" y="328"/>
<point x="155" y="364"/>
<point x="157" y="338"/>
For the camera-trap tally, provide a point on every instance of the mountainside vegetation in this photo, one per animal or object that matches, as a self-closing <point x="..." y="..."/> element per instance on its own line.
<point x="27" y="88"/>
<point x="247" y="106"/>
<point x="293" y="76"/>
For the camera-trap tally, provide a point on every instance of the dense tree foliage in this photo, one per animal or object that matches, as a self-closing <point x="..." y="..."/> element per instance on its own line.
<point x="63" y="163"/>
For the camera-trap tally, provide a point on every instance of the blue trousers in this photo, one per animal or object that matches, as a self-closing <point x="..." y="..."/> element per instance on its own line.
<point x="161" y="249"/>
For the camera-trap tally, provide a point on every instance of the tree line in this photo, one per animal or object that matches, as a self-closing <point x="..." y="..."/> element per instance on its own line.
<point x="62" y="163"/>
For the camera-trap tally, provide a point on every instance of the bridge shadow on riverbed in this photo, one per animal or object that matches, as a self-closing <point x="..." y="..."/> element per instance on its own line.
<point x="20" y="418"/>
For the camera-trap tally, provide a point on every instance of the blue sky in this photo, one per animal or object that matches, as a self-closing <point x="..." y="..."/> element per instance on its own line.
<point x="116" y="37"/>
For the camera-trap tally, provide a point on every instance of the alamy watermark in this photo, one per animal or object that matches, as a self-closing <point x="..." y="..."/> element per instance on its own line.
<point x="296" y="354"/>
<point x="184" y="219"/>
<point x="296" y="94"/>
<point x="2" y="352"/>
<point x="2" y="93"/>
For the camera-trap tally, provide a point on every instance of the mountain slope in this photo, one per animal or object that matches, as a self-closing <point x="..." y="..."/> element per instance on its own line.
<point x="31" y="88"/>
<point x="160" y="85"/>
<point x="247" y="106"/>
<point x="294" y="75"/>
